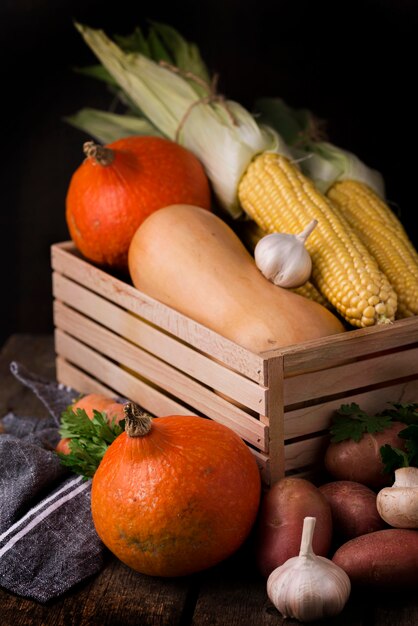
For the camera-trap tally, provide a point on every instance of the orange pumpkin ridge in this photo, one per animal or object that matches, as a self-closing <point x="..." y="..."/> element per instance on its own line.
<point x="178" y="499"/>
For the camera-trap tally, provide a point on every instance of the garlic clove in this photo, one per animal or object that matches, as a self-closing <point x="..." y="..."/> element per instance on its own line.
<point x="398" y="505"/>
<point x="283" y="259"/>
<point x="308" y="587"/>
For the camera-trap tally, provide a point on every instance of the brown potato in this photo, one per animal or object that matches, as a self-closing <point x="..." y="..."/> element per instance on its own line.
<point x="385" y="559"/>
<point x="360" y="461"/>
<point x="279" y="527"/>
<point x="353" y="508"/>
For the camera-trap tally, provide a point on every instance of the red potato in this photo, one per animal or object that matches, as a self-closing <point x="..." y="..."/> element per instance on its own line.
<point x="360" y="461"/>
<point x="279" y="526"/>
<point x="353" y="508"/>
<point x="385" y="559"/>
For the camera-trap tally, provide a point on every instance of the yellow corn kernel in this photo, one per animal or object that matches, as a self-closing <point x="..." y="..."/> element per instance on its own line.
<point x="384" y="236"/>
<point x="279" y="198"/>
<point x="360" y="194"/>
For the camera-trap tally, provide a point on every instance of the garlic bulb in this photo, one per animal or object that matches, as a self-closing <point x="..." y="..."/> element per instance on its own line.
<point x="283" y="258"/>
<point x="398" y="505"/>
<point x="308" y="587"/>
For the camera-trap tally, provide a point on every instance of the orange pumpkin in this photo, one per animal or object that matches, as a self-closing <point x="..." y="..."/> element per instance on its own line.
<point x="98" y="402"/>
<point x="176" y="494"/>
<point x="93" y="402"/>
<point x="119" y="185"/>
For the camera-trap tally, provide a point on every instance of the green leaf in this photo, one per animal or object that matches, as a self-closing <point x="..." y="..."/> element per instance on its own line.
<point x="393" y="458"/>
<point x="406" y="412"/>
<point x="82" y="460"/>
<point x="346" y="428"/>
<point x="185" y="55"/>
<point x="411" y="435"/>
<point x="108" y="127"/>
<point x="292" y="124"/>
<point x="157" y="50"/>
<point x="89" y="439"/>
<point x="351" y="422"/>
<point x="165" y="43"/>
<point x="135" y="42"/>
<point x="98" y="72"/>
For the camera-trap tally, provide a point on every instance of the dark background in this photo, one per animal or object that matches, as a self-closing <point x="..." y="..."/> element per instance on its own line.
<point x="353" y="63"/>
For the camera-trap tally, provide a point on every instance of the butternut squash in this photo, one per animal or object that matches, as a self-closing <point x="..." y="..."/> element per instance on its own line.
<point x="192" y="261"/>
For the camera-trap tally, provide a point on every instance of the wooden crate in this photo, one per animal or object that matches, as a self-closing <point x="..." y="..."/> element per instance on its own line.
<point x="112" y="338"/>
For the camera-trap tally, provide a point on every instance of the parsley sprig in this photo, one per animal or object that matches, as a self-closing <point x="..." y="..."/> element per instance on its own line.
<point x="393" y="458"/>
<point x="89" y="439"/>
<point x="406" y="412"/>
<point x="351" y="422"/>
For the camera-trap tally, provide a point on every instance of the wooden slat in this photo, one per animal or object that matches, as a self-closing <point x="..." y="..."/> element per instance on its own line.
<point x="69" y="375"/>
<point x="165" y="347"/>
<point x="303" y="453"/>
<point x="67" y="262"/>
<point x="315" y="418"/>
<point x="123" y="383"/>
<point x="323" y="353"/>
<point x="274" y="418"/>
<point x="190" y="392"/>
<point x="343" y="378"/>
<point x="263" y="463"/>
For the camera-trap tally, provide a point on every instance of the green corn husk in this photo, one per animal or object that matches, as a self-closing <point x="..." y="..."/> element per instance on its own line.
<point x="108" y="127"/>
<point x="330" y="164"/>
<point x="165" y="44"/>
<point x="221" y="133"/>
<point x="320" y="160"/>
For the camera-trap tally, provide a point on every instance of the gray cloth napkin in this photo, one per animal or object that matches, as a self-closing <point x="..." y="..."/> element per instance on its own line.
<point x="47" y="538"/>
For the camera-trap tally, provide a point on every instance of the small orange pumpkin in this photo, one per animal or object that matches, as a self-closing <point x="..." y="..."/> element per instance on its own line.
<point x="93" y="402"/>
<point x="175" y="495"/>
<point x="98" y="402"/>
<point x="119" y="185"/>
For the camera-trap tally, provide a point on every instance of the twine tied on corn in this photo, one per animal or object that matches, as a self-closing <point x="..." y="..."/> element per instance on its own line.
<point x="212" y="97"/>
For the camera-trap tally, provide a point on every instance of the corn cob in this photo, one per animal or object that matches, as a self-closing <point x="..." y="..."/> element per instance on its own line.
<point x="250" y="234"/>
<point x="276" y="195"/>
<point x="357" y="193"/>
<point x="384" y="236"/>
<point x="308" y="290"/>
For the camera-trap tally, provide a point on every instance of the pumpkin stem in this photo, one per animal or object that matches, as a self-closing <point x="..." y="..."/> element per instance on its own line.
<point x="100" y="154"/>
<point x="138" y="423"/>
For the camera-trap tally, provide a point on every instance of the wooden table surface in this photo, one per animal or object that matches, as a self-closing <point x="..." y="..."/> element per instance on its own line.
<point x="227" y="595"/>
